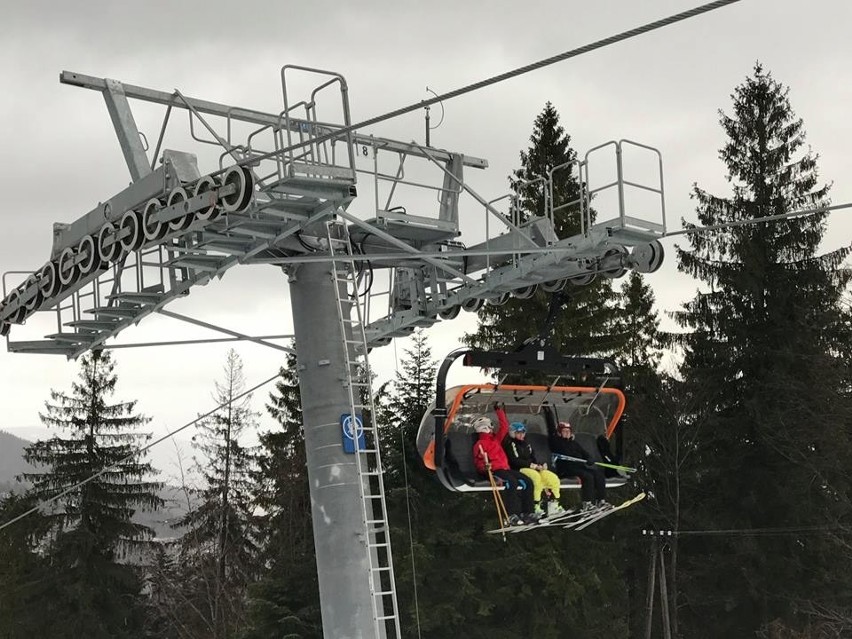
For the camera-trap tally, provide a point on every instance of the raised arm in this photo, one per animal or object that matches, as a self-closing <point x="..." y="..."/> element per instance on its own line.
<point x="503" y="428"/>
<point x="551" y="433"/>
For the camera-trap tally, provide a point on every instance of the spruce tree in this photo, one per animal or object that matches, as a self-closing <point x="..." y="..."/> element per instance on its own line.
<point x="455" y="579"/>
<point x="27" y="591"/>
<point x="411" y="493"/>
<point x="88" y="535"/>
<point x="219" y="545"/>
<point x="403" y="407"/>
<point x="587" y="584"/>
<point x="637" y="327"/>
<point x="647" y="436"/>
<point x="583" y="326"/>
<point x="765" y="347"/>
<point x="285" y="599"/>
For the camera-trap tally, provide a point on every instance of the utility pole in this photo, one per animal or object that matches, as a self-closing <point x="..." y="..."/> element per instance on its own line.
<point x="657" y="556"/>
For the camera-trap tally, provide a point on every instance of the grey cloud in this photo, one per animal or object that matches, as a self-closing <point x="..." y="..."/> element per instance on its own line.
<point x="59" y="156"/>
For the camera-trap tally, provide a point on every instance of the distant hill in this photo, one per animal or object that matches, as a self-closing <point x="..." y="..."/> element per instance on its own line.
<point x="12" y="461"/>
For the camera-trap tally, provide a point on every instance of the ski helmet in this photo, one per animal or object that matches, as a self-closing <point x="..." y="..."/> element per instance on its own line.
<point x="482" y="425"/>
<point x="517" y="427"/>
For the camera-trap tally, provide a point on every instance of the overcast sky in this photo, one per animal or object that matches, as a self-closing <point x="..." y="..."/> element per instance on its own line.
<point x="59" y="155"/>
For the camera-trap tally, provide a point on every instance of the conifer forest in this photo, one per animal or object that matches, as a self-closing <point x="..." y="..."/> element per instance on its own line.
<point x="742" y="445"/>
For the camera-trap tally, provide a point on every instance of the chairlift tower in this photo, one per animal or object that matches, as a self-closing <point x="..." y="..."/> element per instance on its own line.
<point x="277" y="189"/>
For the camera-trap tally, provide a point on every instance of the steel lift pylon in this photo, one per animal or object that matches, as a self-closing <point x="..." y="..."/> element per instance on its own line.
<point x="278" y="188"/>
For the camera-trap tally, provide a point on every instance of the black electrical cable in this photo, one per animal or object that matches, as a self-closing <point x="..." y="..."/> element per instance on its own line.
<point x="762" y="532"/>
<point x="312" y="249"/>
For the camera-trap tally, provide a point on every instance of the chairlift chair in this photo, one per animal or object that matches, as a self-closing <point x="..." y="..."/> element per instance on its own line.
<point x="585" y="392"/>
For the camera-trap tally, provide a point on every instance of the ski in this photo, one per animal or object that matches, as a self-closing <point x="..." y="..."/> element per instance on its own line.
<point x="596" y="517"/>
<point x="559" y="519"/>
<point x="584" y="516"/>
<point x="510" y="529"/>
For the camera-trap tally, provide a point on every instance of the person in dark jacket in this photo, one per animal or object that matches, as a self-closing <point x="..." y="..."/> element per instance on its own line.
<point x="488" y="454"/>
<point x="521" y="457"/>
<point x="592" y="479"/>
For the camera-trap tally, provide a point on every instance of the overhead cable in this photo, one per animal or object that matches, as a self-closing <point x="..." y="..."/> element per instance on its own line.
<point x="759" y="220"/>
<point x="753" y="532"/>
<point x="573" y="53"/>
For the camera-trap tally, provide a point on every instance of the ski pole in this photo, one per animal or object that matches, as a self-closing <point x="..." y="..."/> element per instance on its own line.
<point x="626" y="469"/>
<point x="498" y="502"/>
<point x="502" y="515"/>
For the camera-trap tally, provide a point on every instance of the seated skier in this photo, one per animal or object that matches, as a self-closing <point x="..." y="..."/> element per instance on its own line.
<point x="488" y="454"/>
<point x="522" y="458"/>
<point x="592" y="479"/>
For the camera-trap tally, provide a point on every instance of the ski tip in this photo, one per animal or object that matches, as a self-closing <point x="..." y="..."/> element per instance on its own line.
<point x="601" y="514"/>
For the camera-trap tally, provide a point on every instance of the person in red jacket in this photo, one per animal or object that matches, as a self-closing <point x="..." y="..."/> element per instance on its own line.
<point x="488" y="453"/>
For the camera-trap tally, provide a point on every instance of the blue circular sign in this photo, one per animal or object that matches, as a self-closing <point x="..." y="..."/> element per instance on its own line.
<point x="347" y="427"/>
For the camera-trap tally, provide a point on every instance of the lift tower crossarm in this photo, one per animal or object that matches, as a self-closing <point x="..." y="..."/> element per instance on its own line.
<point x="250" y="115"/>
<point x="125" y="126"/>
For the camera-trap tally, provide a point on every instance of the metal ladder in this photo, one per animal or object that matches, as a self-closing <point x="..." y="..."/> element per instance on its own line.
<point x="367" y="456"/>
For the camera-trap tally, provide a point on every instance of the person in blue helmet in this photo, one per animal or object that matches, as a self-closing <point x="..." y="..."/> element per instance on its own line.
<point x="522" y="458"/>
